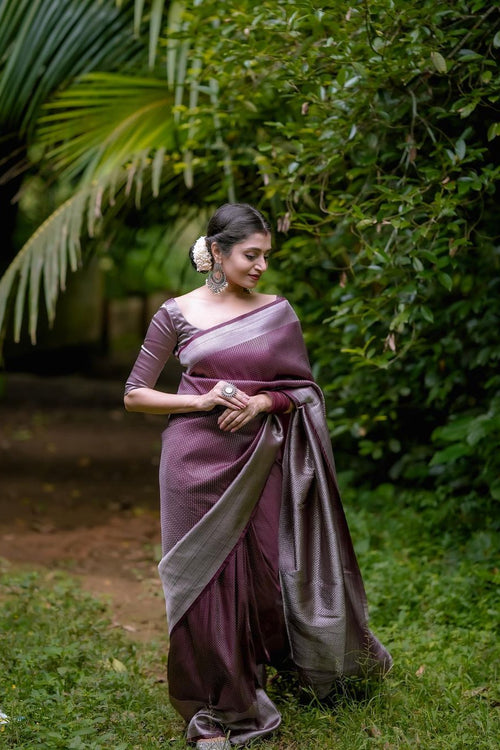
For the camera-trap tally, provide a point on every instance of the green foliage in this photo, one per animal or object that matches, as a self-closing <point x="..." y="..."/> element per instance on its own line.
<point x="44" y="260"/>
<point x="43" y="44"/>
<point x="69" y="681"/>
<point x="100" y="121"/>
<point x="370" y="127"/>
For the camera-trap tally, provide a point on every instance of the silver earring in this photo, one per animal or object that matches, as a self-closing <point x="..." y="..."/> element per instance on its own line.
<point x="216" y="279"/>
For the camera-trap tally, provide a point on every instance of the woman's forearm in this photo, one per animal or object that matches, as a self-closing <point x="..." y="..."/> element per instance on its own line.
<point x="150" y="401"/>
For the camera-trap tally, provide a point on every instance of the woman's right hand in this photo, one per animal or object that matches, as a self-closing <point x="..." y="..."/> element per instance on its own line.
<point x="216" y="397"/>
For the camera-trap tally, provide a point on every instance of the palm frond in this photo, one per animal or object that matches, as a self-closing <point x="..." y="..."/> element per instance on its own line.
<point x="108" y="131"/>
<point x="155" y="12"/>
<point x="103" y="121"/>
<point x="175" y="45"/>
<point x="47" y="42"/>
<point x="46" y="255"/>
<point x="55" y="248"/>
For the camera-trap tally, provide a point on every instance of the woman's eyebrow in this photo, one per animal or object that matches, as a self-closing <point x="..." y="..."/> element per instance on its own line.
<point x="257" y="250"/>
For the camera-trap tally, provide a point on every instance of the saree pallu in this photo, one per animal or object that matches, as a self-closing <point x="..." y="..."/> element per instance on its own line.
<point x="258" y="565"/>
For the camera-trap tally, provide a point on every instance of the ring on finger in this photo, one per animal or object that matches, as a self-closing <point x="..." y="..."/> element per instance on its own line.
<point x="228" y="390"/>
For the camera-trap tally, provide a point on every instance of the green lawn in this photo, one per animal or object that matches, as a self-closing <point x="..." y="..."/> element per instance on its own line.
<point x="70" y="681"/>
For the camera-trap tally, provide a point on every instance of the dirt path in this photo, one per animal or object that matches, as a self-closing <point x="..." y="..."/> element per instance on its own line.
<point x="78" y="492"/>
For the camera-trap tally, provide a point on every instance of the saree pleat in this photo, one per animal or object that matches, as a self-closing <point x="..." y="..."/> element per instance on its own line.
<point x="234" y="626"/>
<point x="258" y="564"/>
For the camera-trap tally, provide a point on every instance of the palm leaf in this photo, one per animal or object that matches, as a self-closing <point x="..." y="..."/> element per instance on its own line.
<point x="46" y="254"/>
<point x="44" y="260"/>
<point x="181" y="56"/>
<point x="156" y="9"/>
<point x="46" y="42"/>
<point x="105" y="120"/>
<point x="108" y="131"/>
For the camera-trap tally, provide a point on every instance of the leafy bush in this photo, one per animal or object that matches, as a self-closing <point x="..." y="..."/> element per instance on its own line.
<point x="371" y="128"/>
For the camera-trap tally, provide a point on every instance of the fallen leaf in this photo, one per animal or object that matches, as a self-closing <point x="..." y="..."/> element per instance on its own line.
<point x="476" y="691"/>
<point x="373" y="731"/>
<point x="43" y="528"/>
<point x="117" y="665"/>
<point x="129" y="628"/>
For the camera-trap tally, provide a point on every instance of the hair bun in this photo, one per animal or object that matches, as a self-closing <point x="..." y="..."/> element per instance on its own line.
<point x="202" y="260"/>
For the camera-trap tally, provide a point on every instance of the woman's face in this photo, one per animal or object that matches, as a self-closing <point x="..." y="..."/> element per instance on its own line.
<point x="247" y="261"/>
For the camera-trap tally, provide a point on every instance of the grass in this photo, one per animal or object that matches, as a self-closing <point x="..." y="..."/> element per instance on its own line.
<point x="70" y="681"/>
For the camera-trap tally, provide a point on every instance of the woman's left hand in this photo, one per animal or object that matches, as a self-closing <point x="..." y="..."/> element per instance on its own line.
<point x="232" y="420"/>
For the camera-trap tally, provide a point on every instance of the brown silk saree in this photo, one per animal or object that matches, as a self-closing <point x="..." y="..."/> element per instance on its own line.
<point x="258" y="565"/>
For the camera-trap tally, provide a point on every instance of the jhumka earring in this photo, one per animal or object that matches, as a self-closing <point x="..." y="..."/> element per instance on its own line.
<point x="216" y="279"/>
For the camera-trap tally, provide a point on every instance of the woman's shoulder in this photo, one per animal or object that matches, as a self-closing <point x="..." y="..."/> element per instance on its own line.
<point x="280" y="298"/>
<point x="181" y="300"/>
<point x="264" y="298"/>
<point x="194" y="294"/>
<point x="192" y="299"/>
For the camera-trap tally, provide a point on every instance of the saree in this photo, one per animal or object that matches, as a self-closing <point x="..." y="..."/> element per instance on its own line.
<point x="258" y="565"/>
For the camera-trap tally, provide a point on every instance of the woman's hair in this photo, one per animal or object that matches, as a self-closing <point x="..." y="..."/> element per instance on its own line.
<point x="233" y="223"/>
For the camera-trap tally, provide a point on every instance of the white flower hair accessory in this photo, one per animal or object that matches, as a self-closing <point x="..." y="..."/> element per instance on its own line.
<point x="201" y="256"/>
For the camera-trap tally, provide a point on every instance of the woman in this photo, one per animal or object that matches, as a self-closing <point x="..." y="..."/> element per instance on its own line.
<point x="258" y="566"/>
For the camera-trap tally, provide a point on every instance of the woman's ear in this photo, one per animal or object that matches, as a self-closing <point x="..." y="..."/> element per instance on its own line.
<point x="216" y="253"/>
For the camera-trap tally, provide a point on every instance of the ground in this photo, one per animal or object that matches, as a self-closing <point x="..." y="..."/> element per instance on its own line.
<point x="78" y="492"/>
